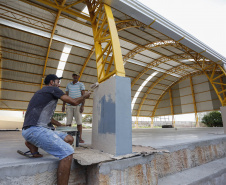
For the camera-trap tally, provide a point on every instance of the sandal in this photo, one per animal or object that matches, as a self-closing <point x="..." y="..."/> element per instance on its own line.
<point x="29" y="154"/>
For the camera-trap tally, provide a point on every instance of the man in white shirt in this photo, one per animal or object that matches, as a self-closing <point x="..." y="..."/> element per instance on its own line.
<point x="75" y="89"/>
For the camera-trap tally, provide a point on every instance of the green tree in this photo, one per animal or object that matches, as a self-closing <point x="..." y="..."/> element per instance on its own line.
<point x="213" y="119"/>
<point x="87" y="118"/>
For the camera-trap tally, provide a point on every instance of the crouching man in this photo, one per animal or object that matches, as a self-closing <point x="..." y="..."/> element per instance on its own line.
<point x="35" y="128"/>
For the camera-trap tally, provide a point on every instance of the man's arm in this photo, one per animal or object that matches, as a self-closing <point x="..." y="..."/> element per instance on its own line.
<point x="83" y="103"/>
<point x="55" y="122"/>
<point x="76" y="101"/>
<point x="63" y="107"/>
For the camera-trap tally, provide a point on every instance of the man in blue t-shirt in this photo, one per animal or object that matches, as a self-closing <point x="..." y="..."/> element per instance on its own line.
<point x="37" y="133"/>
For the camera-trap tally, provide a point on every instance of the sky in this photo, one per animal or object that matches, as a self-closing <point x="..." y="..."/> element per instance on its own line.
<point x="204" y="19"/>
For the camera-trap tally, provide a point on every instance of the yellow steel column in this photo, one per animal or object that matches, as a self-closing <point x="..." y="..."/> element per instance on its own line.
<point x="106" y="41"/>
<point x="85" y="63"/>
<point x="152" y="122"/>
<point x="194" y="102"/>
<point x="222" y="87"/>
<point x="50" y="42"/>
<point x="171" y="105"/>
<point x="0" y="66"/>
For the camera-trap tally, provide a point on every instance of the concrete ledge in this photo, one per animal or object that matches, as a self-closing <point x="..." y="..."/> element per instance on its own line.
<point x="210" y="173"/>
<point x="44" y="172"/>
<point x="148" y="169"/>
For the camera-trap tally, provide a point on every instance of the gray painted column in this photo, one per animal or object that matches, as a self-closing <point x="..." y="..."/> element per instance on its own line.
<point x="112" y="121"/>
<point x="223" y="114"/>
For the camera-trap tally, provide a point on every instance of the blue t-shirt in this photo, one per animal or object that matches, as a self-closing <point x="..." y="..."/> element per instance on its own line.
<point x="42" y="106"/>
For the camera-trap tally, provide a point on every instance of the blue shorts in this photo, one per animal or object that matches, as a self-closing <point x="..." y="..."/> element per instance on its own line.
<point x="50" y="141"/>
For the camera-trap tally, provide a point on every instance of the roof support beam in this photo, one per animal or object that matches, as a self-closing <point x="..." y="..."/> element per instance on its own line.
<point x="194" y="102"/>
<point x="86" y="62"/>
<point x="166" y="90"/>
<point x="173" y="70"/>
<point x="156" y="63"/>
<point x="171" y="106"/>
<point x="176" y="82"/>
<point x="0" y="65"/>
<point x="222" y="87"/>
<point x="151" y="45"/>
<point x="109" y="60"/>
<point x="50" y="42"/>
<point x="65" y="9"/>
<point x="210" y="69"/>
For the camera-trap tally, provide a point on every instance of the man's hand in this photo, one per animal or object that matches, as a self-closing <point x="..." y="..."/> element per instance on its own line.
<point x="87" y="95"/>
<point x="63" y="108"/>
<point x="81" y="109"/>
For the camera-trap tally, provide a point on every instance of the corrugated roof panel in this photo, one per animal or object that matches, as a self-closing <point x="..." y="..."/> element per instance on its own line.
<point x="163" y="51"/>
<point x="126" y="45"/>
<point x="131" y="37"/>
<point x="174" y="50"/>
<point x="142" y="58"/>
<point x="151" y="54"/>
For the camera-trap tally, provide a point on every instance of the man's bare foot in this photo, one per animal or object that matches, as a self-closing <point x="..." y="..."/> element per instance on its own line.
<point x="81" y="141"/>
<point x="33" y="149"/>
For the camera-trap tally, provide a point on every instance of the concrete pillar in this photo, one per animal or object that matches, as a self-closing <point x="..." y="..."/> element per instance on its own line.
<point x="112" y="121"/>
<point x="223" y="114"/>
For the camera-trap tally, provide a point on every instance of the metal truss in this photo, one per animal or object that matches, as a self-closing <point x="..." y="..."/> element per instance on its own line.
<point x="130" y="23"/>
<point x="175" y="70"/>
<point x="194" y="102"/>
<point x="201" y="65"/>
<point x="173" y="84"/>
<point x="67" y="8"/>
<point x="0" y="65"/>
<point x="171" y="106"/>
<point x="155" y="44"/>
<point x="51" y="39"/>
<point x="157" y="62"/>
<point x="210" y="69"/>
<point x="109" y="59"/>
<point x="13" y="14"/>
<point x="120" y="25"/>
<point x="86" y="62"/>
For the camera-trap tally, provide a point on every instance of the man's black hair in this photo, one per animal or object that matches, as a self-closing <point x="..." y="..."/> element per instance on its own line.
<point x="51" y="77"/>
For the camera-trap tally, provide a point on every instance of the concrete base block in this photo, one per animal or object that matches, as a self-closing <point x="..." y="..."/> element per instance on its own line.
<point x="112" y="124"/>
<point x="223" y="114"/>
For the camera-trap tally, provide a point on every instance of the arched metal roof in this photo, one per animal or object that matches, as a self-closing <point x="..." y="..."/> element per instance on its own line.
<point x="33" y="34"/>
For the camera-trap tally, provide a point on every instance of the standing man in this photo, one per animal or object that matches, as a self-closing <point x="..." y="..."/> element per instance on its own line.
<point x="36" y="132"/>
<point x="75" y="89"/>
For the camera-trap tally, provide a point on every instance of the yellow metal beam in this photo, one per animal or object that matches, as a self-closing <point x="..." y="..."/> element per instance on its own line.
<point x="50" y="42"/>
<point x="171" y="106"/>
<point x="151" y="45"/>
<point x="222" y="87"/>
<point x="25" y="18"/>
<point x="194" y="102"/>
<point x="167" y="73"/>
<point x="85" y="63"/>
<point x="109" y="59"/>
<point x="166" y="90"/>
<point x="130" y="23"/>
<point x="65" y="9"/>
<point x="156" y="63"/>
<point x="0" y="65"/>
<point x="209" y="68"/>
